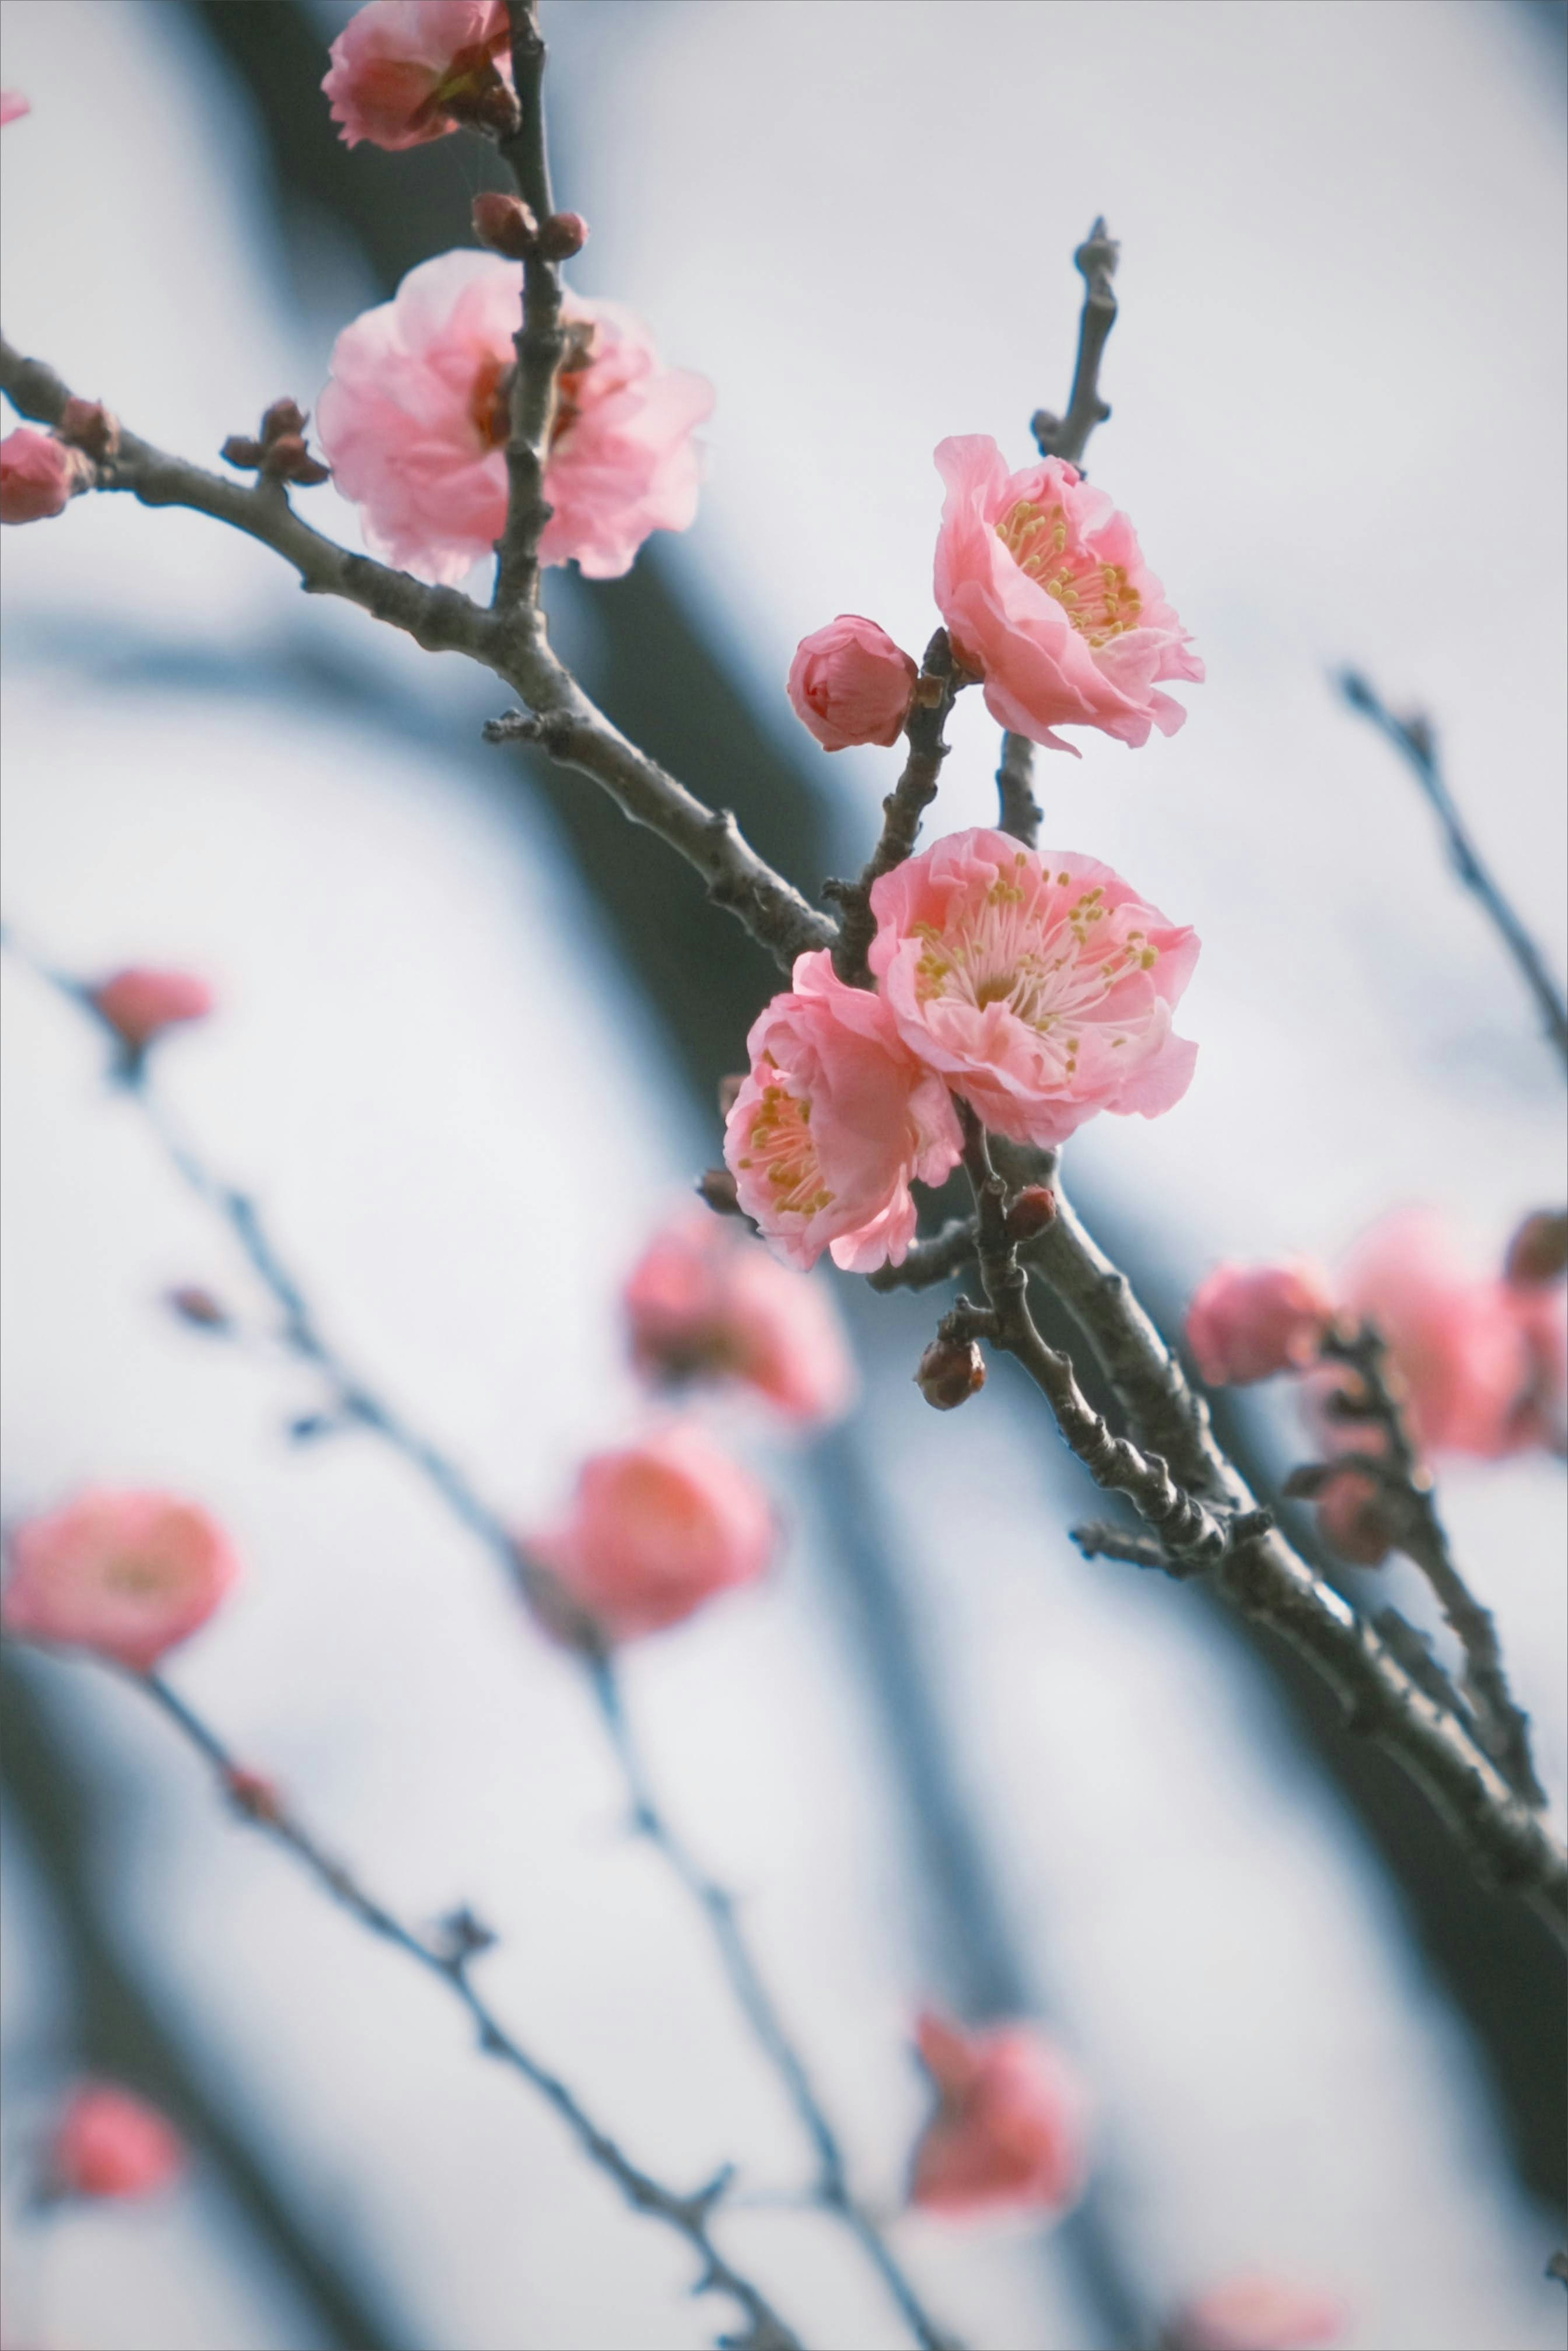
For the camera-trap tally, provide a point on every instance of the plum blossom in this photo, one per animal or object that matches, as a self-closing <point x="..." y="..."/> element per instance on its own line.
<point x="127" y="1575"/>
<point x="834" y="1122"/>
<point x="1256" y="2313"/>
<point x="657" y="1528"/>
<point x="108" y="2142"/>
<point x="1038" y="983"/>
<point x="1247" y="1322"/>
<point x="849" y="683"/>
<point x="1047" y="598"/>
<point x="1009" y="2132"/>
<point x="705" y="1302"/>
<point x="404" y="71"/>
<point x="13" y="106"/>
<point x="141" y="1002"/>
<point x="413" y="421"/>
<point x="38" y="475"/>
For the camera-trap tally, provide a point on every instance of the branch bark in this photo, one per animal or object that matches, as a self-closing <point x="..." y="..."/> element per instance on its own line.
<point x="1068" y="436"/>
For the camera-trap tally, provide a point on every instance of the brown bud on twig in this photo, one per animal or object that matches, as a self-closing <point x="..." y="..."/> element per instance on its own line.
<point x="951" y="1370"/>
<point x="716" y="1186"/>
<point x="1538" y="1253"/>
<point x="289" y="460"/>
<point x="1030" y="1213"/>
<point x="495" y="109"/>
<point x="280" y="453"/>
<point x="253" y="1795"/>
<point x="285" y="417"/>
<point x="561" y="235"/>
<point x="241" y="451"/>
<point x="196" y="1305"/>
<point x="87" y="425"/>
<point x="506" y="224"/>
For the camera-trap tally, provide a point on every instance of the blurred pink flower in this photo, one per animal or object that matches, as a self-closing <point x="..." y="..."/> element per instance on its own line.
<point x="834" y="1122"/>
<point x="125" y="1575"/>
<point x="1047" y="597"/>
<point x="706" y="1302"/>
<point x="657" y="1528"/>
<point x="1009" y="2132"/>
<point x="414" y="422"/>
<point x="1256" y="2313"/>
<point x="1039" y="984"/>
<point x="110" y="2143"/>
<point x="849" y="683"/>
<point x="1353" y="1517"/>
<point x="1247" y="1322"/>
<point x="13" y="106"/>
<point x="403" y="71"/>
<point x="141" y="1002"/>
<point x="38" y="475"/>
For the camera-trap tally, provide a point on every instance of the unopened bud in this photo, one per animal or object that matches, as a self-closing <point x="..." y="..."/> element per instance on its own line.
<point x="288" y="459"/>
<point x="495" y="109"/>
<point x="254" y="1795"/>
<point x="240" y="450"/>
<point x="87" y="425"/>
<point x="1031" y="1212"/>
<point x="1356" y="1519"/>
<point x="951" y="1372"/>
<point x="1538" y="1253"/>
<point x="506" y="224"/>
<point x="194" y="1304"/>
<point x="561" y="235"/>
<point x="716" y="1186"/>
<point x="284" y="417"/>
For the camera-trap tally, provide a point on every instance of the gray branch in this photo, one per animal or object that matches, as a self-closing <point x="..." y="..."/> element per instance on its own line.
<point x="1068" y="436"/>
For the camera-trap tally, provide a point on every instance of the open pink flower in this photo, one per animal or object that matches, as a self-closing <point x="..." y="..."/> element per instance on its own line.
<point x="657" y="1528"/>
<point x="1047" y="597"/>
<point x="1257" y="2314"/>
<point x="1009" y="2132"/>
<point x="1038" y="983"/>
<point x="706" y="1302"/>
<point x="13" y="106"/>
<point x="108" y="2142"/>
<point x="141" y="1002"/>
<point x="38" y="475"/>
<point x="833" y="1124"/>
<point x="413" y="421"/>
<point x="1247" y="1322"/>
<point x="404" y="71"/>
<point x="849" y="683"/>
<point x="127" y="1575"/>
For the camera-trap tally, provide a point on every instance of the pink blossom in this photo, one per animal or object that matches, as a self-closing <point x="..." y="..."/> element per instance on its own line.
<point x="38" y="475"/>
<point x="141" y="1002"/>
<point x="414" y="421"/>
<point x="834" y="1122"/>
<point x="849" y="683"/>
<point x="706" y="1302"/>
<point x="1247" y="1322"/>
<point x="1351" y="1514"/>
<point x="657" y="1528"/>
<point x="1048" y="598"/>
<point x="1009" y="2132"/>
<point x="126" y="1576"/>
<point x="13" y="106"/>
<point x="110" y="2143"/>
<point x="1257" y="2314"/>
<point x="1039" y="984"/>
<point x="404" y="71"/>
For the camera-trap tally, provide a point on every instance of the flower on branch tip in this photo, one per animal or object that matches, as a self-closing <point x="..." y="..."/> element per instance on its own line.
<point x="108" y="2142"/>
<point x="125" y="1575"/>
<point x="417" y="414"/>
<point x="849" y="683"/>
<point x="1036" y="982"/>
<point x="706" y="1302"/>
<point x="834" y="1121"/>
<point x="38" y="475"/>
<point x="13" y="106"/>
<point x="1247" y="1322"/>
<point x="1009" y="2133"/>
<point x="405" y="72"/>
<point x="139" y="1003"/>
<point x="1048" y="598"/>
<point x="656" y="1530"/>
<point x="1256" y="2313"/>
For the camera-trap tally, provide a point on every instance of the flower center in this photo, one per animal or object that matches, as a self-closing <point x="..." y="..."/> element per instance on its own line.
<point x="139" y="1578"/>
<point x="1096" y="597"/>
<point x="781" y="1142"/>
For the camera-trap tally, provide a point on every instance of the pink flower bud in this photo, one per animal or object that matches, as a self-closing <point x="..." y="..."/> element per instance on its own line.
<point x="658" y="1528"/>
<point x="38" y="475"/>
<point x="506" y="224"/>
<point x="127" y="1576"/>
<point x="141" y="1003"/>
<point x="706" y="1302"/>
<point x="1256" y="2313"/>
<point x="561" y="235"/>
<point x="1354" y="1517"/>
<point x="1247" y="1322"/>
<point x="850" y="683"/>
<point x="1009" y="2133"/>
<point x="13" y="106"/>
<point x="253" y="1795"/>
<point x="1028" y="1215"/>
<point x="404" y="71"/>
<point x="951" y="1372"/>
<point x="108" y="2143"/>
<point x="87" y="425"/>
<point x="196" y="1305"/>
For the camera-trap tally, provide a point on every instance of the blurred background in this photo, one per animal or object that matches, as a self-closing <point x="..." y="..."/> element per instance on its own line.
<point x="470" y="1029"/>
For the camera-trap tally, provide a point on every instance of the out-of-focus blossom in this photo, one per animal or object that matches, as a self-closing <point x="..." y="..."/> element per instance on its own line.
<point x="1247" y="1322"/>
<point x="704" y="1302"/>
<point x="414" y="420"/>
<point x="1048" y="598"/>
<point x="403" y="71"/>
<point x="1009" y="2132"/>
<point x="1038" y="983"/>
<point x="657" y="1528"/>
<point x="834" y="1122"/>
<point x="141" y="1002"/>
<point x="1256" y="2313"/>
<point x="1353" y="1513"/>
<point x="13" y="106"/>
<point x="108" y="2142"/>
<point x="849" y="683"/>
<point x="38" y="475"/>
<point x="126" y="1576"/>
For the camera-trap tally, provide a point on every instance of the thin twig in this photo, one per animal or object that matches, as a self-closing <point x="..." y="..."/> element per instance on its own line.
<point x="689" y="2215"/>
<point x="1020" y="812"/>
<point x="1068" y="436"/>
<point x="945" y="1253"/>
<point x="540" y="341"/>
<point x="1413" y="738"/>
<point x="1098" y="1541"/>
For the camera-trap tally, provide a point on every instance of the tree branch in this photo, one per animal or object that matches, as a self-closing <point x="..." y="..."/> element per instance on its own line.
<point x="930" y="1261"/>
<point x="1020" y="812"/>
<point x="540" y="341"/>
<point x="1068" y="436"/>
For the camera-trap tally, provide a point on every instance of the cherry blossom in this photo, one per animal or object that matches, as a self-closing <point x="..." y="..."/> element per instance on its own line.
<point x="1257" y="2314"/>
<point x="706" y="1302"/>
<point x="141" y="1002"/>
<point x="1009" y="2130"/>
<point x="1247" y="1322"/>
<point x="108" y="2143"/>
<point x="38" y="475"/>
<point x="127" y="1575"/>
<point x="404" y="71"/>
<point x="849" y="683"/>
